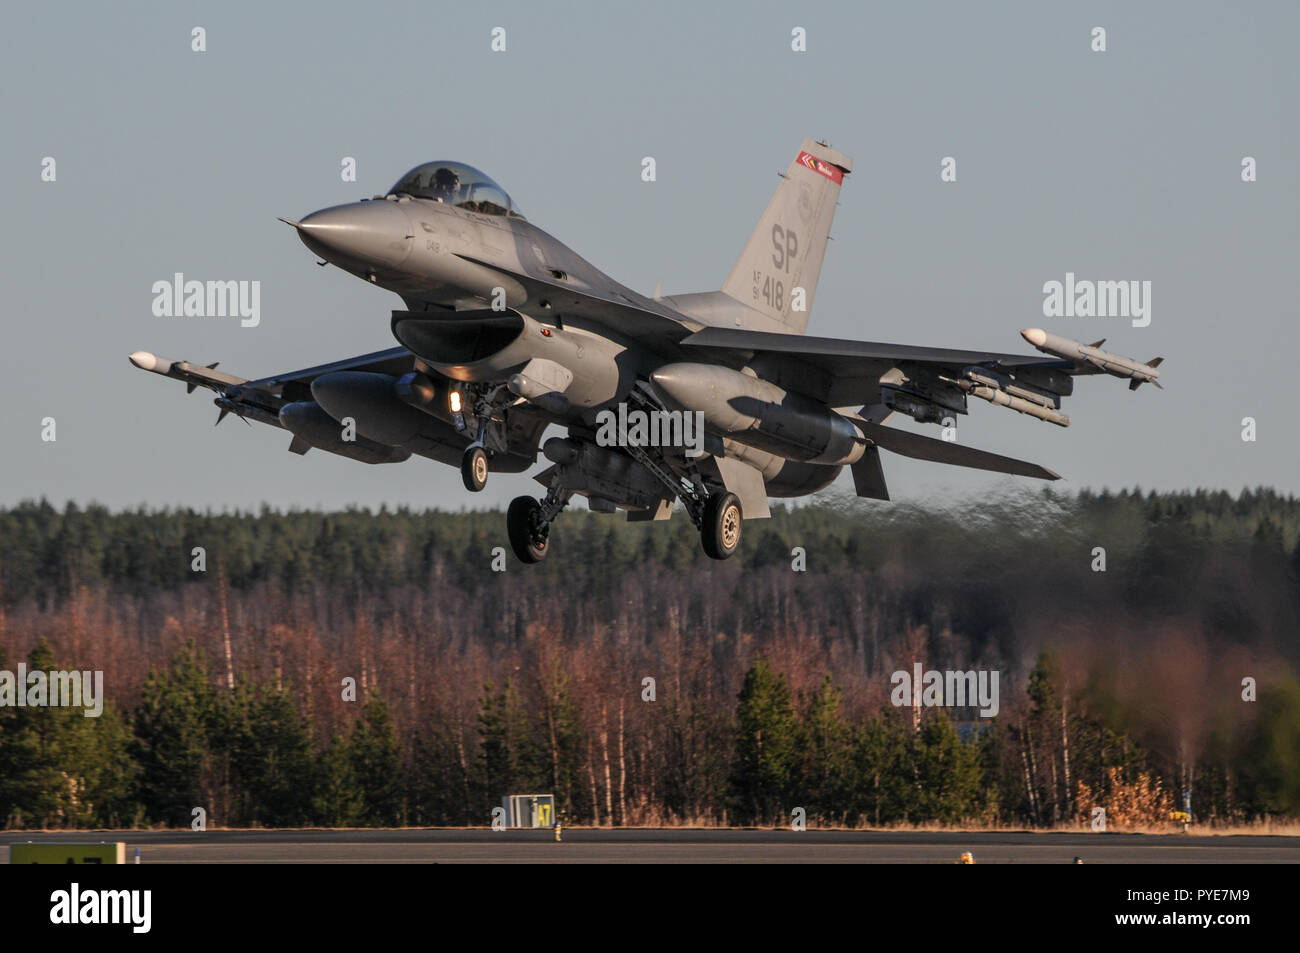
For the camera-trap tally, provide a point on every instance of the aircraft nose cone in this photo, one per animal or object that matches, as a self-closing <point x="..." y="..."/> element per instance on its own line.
<point x="373" y="232"/>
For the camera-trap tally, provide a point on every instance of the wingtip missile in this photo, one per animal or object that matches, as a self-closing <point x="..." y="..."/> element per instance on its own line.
<point x="1091" y="359"/>
<point x="193" y="376"/>
<point x="150" y="362"/>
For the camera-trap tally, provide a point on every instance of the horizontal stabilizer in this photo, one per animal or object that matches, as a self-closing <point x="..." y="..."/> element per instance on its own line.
<point x="920" y="447"/>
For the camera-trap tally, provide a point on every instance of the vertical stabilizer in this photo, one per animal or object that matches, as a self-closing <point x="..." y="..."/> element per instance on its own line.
<point x="778" y="270"/>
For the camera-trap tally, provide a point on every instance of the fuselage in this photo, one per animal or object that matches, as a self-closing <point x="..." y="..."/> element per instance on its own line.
<point x="438" y="256"/>
<point x="444" y="258"/>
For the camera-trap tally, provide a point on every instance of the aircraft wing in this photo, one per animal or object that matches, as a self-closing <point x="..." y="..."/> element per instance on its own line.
<point x="926" y="383"/>
<point x="261" y="399"/>
<point x="842" y="372"/>
<point x="833" y="353"/>
<point x="393" y="360"/>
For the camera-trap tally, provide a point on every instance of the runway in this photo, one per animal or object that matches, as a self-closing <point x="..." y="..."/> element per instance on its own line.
<point x="588" y="845"/>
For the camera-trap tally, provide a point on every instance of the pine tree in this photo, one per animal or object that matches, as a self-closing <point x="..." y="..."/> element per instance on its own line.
<point x="60" y="768"/>
<point x="766" y="754"/>
<point x="949" y="779"/>
<point x="377" y="761"/>
<point x="337" y="800"/>
<point x="826" y="779"/>
<point x="177" y="710"/>
<point x="495" y="744"/>
<point x="883" y="769"/>
<point x="277" y="765"/>
<point x="1272" y="755"/>
<point x="441" y="791"/>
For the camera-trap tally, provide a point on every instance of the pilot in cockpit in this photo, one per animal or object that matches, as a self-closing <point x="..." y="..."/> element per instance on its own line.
<point x="445" y="186"/>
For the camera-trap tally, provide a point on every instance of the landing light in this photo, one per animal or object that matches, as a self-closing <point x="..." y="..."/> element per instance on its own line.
<point x="453" y="401"/>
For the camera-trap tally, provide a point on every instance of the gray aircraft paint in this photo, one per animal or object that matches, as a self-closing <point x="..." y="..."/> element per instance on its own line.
<point x="524" y="333"/>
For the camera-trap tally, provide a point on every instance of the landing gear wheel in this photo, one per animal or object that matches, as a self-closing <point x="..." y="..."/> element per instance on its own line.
<point x="527" y="538"/>
<point x="474" y="469"/>
<point x="720" y="529"/>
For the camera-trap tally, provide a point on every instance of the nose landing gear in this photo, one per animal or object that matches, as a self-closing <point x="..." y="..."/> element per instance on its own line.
<point x="474" y="468"/>
<point x="491" y="433"/>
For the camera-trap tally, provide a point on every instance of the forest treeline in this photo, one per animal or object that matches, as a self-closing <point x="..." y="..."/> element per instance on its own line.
<point x="362" y="668"/>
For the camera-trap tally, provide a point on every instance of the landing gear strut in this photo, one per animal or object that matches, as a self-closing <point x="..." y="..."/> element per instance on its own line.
<point x="716" y="515"/>
<point x="474" y="467"/>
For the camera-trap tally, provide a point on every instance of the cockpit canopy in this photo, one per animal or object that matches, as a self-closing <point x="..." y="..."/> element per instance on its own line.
<point x="458" y="184"/>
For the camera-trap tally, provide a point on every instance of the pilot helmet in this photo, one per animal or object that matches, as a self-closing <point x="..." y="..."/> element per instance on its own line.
<point x="445" y="184"/>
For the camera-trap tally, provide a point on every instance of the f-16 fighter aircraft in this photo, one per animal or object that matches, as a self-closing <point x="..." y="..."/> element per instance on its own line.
<point x="716" y="400"/>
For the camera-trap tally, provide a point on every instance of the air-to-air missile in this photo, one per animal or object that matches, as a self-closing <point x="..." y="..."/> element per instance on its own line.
<point x="194" y="375"/>
<point x="1091" y="359"/>
<point x="1002" y="391"/>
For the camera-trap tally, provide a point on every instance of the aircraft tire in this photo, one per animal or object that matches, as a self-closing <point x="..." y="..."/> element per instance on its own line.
<point x="520" y="518"/>
<point x="723" y="522"/>
<point x="474" y="469"/>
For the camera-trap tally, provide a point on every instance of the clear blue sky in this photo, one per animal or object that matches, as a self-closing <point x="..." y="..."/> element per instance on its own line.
<point x="1115" y="165"/>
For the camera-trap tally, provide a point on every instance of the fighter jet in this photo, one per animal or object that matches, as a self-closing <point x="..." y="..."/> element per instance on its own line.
<point x="714" y="400"/>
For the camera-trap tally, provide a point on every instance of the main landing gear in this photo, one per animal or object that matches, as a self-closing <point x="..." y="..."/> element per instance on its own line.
<point x="527" y="535"/>
<point x="717" y="515"/>
<point x="528" y="522"/>
<point x="720" y="525"/>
